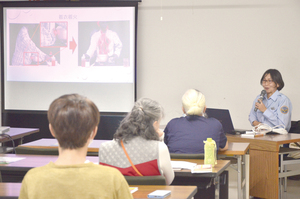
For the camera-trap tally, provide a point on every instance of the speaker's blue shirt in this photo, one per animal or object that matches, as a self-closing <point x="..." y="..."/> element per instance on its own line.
<point x="186" y="134"/>
<point x="279" y="111"/>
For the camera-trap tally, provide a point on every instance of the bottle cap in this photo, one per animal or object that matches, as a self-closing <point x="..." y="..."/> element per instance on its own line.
<point x="209" y="139"/>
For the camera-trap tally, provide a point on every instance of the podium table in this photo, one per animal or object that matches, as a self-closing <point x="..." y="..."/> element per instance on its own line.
<point x="264" y="162"/>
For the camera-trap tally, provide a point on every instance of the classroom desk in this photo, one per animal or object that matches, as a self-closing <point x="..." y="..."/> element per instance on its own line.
<point x="52" y="143"/>
<point x="215" y="174"/>
<point x="12" y="190"/>
<point x="32" y="161"/>
<point x="238" y="150"/>
<point x="14" y="134"/>
<point x="264" y="162"/>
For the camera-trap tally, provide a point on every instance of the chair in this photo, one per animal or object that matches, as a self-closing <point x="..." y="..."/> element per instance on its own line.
<point x="146" y="180"/>
<point x="283" y="172"/>
<point x="285" y="160"/>
<point x="186" y="156"/>
<point x="43" y="151"/>
<point x="36" y="151"/>
<point x="92" y="153"/>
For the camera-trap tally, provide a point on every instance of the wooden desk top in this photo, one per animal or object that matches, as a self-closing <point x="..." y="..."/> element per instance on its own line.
<point x="266" y="142"/>
<point x="233" y="148"/>
<point x="32" y="161"/>
<point x="53" y="143"/>
<point x="16" y="133"/>
<point x="217" y="170"/>
<point x="12" y="190"/>
<point x="176" y="191"/>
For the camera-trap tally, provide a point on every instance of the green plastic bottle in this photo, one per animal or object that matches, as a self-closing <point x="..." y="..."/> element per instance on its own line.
<point x="210" y="152"/>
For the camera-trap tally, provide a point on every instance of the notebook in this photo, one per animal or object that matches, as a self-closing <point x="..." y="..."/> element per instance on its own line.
<point x="223" y="116"/>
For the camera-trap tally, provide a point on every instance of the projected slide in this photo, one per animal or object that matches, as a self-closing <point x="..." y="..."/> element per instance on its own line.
<point x="94" y="45"/>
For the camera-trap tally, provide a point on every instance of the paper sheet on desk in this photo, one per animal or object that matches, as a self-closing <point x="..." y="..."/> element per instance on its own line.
<point x="182" y="165"/>
<point x="7" y="160"/>
<point x="252" y="134"/>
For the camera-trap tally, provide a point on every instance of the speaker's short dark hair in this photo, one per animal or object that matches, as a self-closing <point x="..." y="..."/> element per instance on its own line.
<point x="276" y="77"/>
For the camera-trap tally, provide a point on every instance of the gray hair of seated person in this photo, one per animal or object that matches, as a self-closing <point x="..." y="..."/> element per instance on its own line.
<point x="139" y="122"/>
<point x="193" y="102"/>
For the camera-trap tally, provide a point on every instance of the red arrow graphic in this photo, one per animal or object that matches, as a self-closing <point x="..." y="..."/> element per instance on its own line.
<point x="73" y="45"/>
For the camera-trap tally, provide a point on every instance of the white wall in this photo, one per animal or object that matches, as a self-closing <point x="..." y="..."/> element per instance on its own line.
<point x="221" y="48"/>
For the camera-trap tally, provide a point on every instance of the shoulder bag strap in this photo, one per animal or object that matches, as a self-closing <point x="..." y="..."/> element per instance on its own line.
<point x="137" y="171"/>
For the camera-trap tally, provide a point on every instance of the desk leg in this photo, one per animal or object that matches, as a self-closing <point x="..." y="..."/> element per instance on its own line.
<point x="243" y="176"/>
<point x="247" y="177"/>
<point x="21" y="141"/>
<point x="240" y="174"/>
<point x="264" y="174"/>
<point x="217" y="187"/>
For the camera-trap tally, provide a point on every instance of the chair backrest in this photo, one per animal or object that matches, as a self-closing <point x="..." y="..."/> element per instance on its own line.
<point x="43" y="151"/>
<point x="36" y="151"/>
<point x="295" y="127"/>
<point x="146" y="180"/>
<point x="186" y="156"/>
<point x="92" y="153"/>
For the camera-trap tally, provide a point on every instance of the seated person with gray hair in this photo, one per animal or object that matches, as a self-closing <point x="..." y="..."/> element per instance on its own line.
<point x="138" y="136"/>
<point x="186" y="134"/>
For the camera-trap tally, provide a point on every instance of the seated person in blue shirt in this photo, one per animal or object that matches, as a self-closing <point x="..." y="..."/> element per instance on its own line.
<point x="275" y="108"/>
<point x="186" y="134"/>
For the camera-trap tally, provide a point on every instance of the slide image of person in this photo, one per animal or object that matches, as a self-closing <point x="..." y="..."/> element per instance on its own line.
<point x="106" y="45"/>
